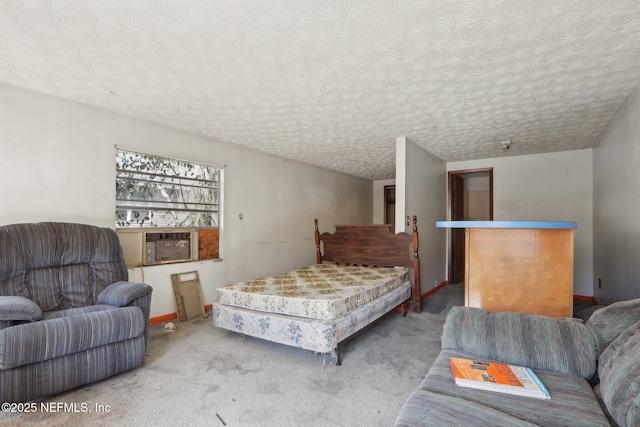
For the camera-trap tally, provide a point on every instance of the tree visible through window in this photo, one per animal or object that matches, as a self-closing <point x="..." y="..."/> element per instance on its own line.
<point x="167" y="210"/>
<point x="154" y="191"/>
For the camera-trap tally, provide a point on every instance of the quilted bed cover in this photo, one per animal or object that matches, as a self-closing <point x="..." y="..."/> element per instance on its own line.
<point x="321" y="291"/>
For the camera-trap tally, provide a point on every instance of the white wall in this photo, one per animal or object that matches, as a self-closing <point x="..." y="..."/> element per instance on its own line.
<point x="57" y="163"/>
<point x="422" y="179"/>
<point x="547" y="187"/>
<point x="616" y="194"/>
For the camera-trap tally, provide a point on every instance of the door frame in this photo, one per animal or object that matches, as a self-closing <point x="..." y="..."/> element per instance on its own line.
<point x="450" y="197"/>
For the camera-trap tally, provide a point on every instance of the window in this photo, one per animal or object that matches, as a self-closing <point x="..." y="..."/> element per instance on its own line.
<point x="167" y="210"/>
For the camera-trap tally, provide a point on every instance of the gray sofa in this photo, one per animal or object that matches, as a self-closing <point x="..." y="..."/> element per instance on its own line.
<point x="68" y="315"/>
<point x="591" y="369"/>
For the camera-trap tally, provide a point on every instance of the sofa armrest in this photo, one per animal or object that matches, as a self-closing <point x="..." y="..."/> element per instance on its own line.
<point x="19" y="308"/>
<point x="610" y="321"/>
<point x="133" y="294"/>
<point x="563" y="345"/>
<point x="121" y="294"/>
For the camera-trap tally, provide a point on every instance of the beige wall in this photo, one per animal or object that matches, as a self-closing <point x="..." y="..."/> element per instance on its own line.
<point x="57" y="164"/>
<point x="421" y="191"/>
<point x="477" y="206"/>
<point x="616" y="199"/>
<point x="477" y="198"/>
<point x="547" y="187"/>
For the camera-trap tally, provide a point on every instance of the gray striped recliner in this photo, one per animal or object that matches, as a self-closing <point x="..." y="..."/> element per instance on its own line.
<point x="68" y="315"/>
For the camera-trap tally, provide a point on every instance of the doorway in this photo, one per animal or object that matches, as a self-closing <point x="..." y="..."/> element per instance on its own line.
<point x="390" y="206"/>
<point x="470" y="199"/>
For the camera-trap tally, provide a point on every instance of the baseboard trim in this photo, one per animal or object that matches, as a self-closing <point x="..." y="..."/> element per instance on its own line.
<point x="585" y="298"/>
<point x="164" y="318"/>
<point x="434" y="290"/>
<point x="171" y="316"/>
<point x="429" y="292"/>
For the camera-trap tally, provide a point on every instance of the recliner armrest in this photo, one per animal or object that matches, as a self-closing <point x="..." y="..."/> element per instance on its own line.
<point x="121" y="294"/>
<point x="19" y="308"/>
<point x="563" y="345"/>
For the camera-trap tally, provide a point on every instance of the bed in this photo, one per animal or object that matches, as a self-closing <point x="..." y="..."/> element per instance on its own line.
<point x="361" y="273"/>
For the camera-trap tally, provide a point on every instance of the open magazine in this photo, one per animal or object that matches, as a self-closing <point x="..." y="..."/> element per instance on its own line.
<point x="500" y="377"/>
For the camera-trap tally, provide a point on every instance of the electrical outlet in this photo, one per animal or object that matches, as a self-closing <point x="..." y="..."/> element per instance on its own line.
<point x="599" y="283"/>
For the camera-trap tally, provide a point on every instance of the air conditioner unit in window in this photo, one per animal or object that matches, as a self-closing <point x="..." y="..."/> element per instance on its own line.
<point x="173" y="250"/>
<point x="151" y="247"/>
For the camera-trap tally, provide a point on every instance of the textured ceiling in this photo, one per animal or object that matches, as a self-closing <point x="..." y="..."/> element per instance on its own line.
<point x="333" y="83"/>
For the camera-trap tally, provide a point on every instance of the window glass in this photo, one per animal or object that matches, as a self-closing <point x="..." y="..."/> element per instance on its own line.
<point x="154" y="191"/>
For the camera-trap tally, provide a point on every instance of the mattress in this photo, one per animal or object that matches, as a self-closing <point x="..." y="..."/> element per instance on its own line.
<point x="321" y="291"/>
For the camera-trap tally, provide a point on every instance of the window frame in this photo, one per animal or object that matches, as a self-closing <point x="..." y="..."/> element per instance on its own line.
<point x="134" y="235"/>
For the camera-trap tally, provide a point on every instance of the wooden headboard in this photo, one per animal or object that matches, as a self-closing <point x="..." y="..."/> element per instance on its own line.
<point x="372" y="245"/>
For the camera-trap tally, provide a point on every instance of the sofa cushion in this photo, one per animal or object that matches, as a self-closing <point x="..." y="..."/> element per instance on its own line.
<point x="426" y="408"/>
<point x="28" y="382"/>
<point x="562" y="345"/>
<point x="19" y="308"/>
<point x="572" y="402"/>
<point x="48" y="339"/>
<point x="608" y="322"/>
<point x="619" y="372"/>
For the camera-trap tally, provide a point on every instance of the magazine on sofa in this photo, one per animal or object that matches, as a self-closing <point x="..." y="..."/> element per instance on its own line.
<point x="500" y="377"/>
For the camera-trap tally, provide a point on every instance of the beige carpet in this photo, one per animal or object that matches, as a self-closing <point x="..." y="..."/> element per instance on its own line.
<point x="200" y="375"/>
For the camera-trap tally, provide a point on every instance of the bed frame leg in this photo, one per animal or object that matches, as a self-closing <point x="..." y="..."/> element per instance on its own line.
<point x="336" y="355"/>
<point x="406" y="306"/>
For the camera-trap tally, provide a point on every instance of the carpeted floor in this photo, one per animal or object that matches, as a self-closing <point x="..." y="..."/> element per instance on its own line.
<point x="199" y="375"/>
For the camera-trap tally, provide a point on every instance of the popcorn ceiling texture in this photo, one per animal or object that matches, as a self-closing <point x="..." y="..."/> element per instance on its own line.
<point x="333" y="83"/>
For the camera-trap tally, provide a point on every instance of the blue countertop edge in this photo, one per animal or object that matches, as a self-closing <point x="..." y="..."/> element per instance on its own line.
<point x="559" y="225"/>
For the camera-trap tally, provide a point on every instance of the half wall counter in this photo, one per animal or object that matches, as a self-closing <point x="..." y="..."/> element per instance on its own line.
<point x="522" y="266"/>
